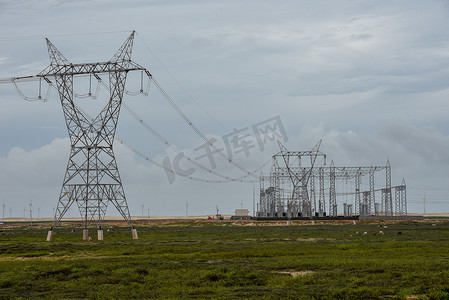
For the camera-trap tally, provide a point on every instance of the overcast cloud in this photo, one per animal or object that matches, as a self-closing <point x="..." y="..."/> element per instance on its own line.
<point x="369" y="78"/>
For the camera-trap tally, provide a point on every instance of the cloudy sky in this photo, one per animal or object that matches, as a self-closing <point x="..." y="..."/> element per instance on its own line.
<point x="369" y="78"/>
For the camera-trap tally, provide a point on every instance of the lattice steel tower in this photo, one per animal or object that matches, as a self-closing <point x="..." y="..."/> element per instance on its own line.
<point x="92" y="179"/>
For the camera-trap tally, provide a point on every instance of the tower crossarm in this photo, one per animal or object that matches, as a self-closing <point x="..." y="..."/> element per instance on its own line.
<point x="91" y="68"/>
<point x="340" y="172"/>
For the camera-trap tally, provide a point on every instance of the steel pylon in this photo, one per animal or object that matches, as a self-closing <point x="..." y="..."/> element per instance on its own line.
<point x="92" y="178"/>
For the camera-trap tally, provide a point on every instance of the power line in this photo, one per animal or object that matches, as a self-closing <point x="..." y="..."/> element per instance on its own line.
<point x="172" y="147"/>
<point x="429" y="189"/>
<point x="164" y="94"/>
<point x="36" y="37"/>
<point x="193" y="178"/>
<point x="166" y="142"/>
<point x="197" y="131"/>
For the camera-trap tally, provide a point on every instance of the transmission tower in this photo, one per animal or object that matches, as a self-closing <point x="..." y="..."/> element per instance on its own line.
<point x="92" y="179"/>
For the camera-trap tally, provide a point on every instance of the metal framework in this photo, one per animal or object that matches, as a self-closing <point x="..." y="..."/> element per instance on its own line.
<point x="92" y="179"/>
<point x="292" y="190"/>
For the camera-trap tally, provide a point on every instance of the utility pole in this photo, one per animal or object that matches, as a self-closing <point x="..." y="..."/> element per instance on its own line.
<point x="424" y="204"/>
<point x="31" y="214"/>
<point x="254" y="201"/>
<point x="187" y="209"/>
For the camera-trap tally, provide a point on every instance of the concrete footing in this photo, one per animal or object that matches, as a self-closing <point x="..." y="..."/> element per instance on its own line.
<point x="49" y="235"/>
<point x="85" y="234"/>
<point x="100" y="234"/>
<point x="134" y="232"/>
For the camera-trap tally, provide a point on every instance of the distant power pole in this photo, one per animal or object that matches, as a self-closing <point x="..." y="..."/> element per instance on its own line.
<point x="187" y="209"/>
<point x="424" y="204"/>
<point x="254" y="213"/>
<point x="31" y="214"/>
<point x="143" y="211"/>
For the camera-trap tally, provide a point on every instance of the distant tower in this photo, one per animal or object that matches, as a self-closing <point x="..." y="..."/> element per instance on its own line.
<point x="92" y="179"/>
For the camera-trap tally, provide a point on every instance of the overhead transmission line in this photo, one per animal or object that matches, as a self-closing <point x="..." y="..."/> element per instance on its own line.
<point x="141" y="121"/>
<point x="192" y="126"/>
<point x="161" y="138"/>
<point x="173" y="148"/>
<point x="198" y="132"/>
<point x="162" y="91"/>
<point x="36" y="37"/>
<point x="144" y="124"/>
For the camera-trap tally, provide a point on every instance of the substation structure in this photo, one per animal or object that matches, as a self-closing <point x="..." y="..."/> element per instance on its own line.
<point x="92" y="179"/>
<point x="297" y="191"/>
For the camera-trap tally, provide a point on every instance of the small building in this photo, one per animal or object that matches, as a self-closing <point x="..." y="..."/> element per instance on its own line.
<point x="241" y="214"/>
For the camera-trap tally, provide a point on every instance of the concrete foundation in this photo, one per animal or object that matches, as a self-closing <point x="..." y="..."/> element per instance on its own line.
<point x="134" y="232"/>
<point x="100" y="234"/>
<point x="85" y="234"/>
<point x="49" y="235"/>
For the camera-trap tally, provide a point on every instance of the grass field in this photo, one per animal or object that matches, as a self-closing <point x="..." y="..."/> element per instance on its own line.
<point x="229" y="260"/>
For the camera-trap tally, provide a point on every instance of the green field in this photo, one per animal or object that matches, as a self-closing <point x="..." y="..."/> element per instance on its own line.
<point x="229" y="260"/>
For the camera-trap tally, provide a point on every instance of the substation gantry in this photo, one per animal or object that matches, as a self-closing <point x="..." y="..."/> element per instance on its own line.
<point x="92" y="178"/>
<point x="293" y="190"/>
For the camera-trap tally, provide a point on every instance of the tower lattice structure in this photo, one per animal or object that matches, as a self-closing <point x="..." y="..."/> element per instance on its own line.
<point x="92" y="178"/>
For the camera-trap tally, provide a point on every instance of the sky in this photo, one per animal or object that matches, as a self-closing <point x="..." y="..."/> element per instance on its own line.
<point x="368" y="78"/>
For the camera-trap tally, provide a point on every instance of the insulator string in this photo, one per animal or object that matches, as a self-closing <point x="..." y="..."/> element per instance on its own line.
<point x="37" y="98"/>
<point x="89" y="94"/>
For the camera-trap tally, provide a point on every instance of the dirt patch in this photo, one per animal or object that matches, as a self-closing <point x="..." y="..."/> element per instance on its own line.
<point x="296" y="273"/>
<point x="314" y="239"/>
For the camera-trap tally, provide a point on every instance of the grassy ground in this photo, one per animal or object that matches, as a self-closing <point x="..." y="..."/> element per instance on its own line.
<point x="229" y="260"/>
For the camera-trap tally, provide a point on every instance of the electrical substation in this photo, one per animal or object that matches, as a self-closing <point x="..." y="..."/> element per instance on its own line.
<point x="301" y="186"/>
